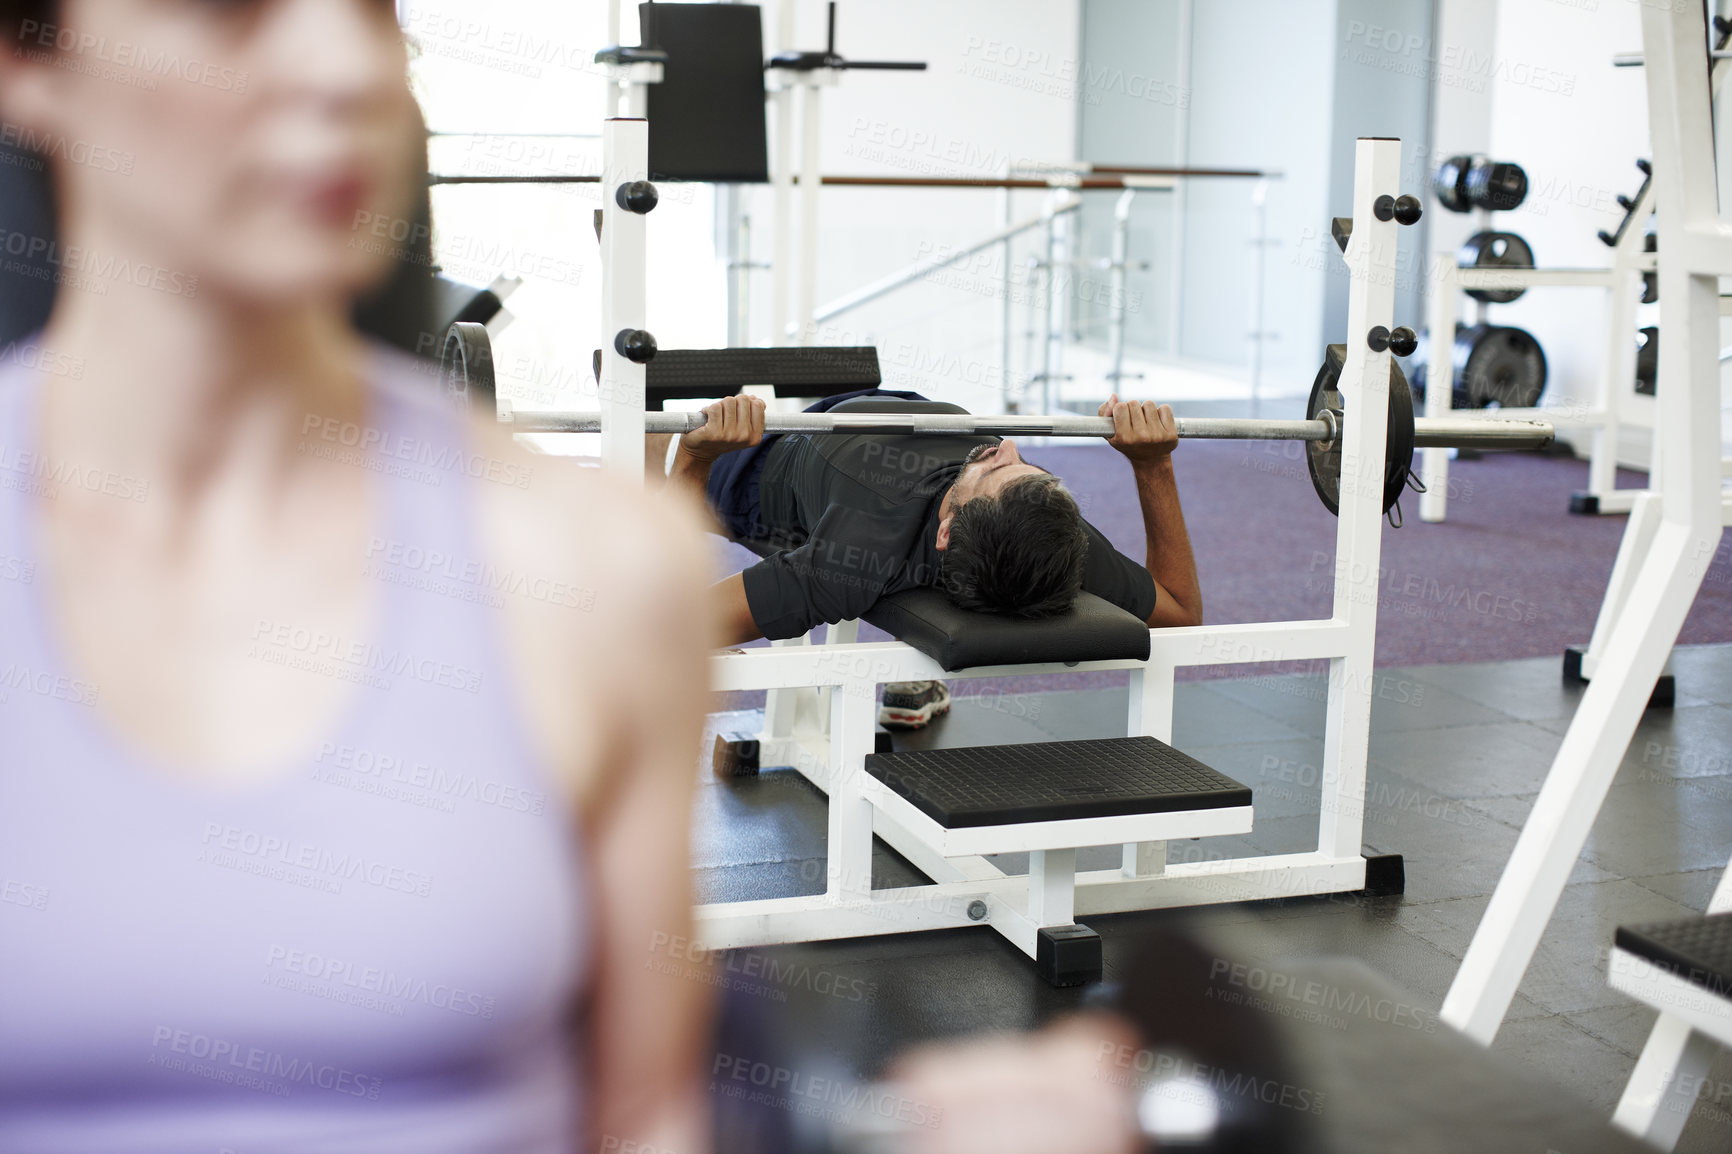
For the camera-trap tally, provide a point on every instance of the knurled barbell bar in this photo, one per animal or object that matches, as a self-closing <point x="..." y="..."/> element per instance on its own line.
<point x="1428" y="432"/>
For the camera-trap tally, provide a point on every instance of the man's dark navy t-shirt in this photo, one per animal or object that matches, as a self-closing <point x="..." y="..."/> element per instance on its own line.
<point x="848" y="519"/>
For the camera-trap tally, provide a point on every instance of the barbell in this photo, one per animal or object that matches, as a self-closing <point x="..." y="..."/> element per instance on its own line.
<point x="1467" y="433"/>
<point x="1320" y="431"/>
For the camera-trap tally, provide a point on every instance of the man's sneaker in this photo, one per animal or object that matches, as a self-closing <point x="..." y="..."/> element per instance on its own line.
<point x="911" y="704"/>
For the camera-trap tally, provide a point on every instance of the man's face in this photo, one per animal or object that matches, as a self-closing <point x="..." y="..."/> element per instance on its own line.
<point x="988" y="469"/>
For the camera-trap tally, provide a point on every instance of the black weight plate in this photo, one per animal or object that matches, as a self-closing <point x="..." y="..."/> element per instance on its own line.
<point x="466" y="365"/>
<point x="1325" y="462"/>
<point x="1647" y="360"/>
<point x="1495" y="250"/>
<point x="1496" y="185"/>
<point x="1420" y="368"/>
<point x="1450" y="183"/>
<point x="1500" y="365"/>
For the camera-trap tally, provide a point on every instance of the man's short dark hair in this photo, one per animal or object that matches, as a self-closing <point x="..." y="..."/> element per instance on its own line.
<point x="1020" y="553"/>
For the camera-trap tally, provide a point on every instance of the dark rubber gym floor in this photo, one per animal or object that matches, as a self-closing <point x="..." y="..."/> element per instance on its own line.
<point x="1458" y="753"/>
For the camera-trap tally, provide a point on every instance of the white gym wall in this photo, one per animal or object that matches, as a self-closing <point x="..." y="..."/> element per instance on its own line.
<point x="1227" y="89"/>
<point x="1262" y="76"/>
<point x="1267" y="84"/>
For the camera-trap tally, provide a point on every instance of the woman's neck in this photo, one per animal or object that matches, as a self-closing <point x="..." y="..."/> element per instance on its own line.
<point x="192" y="389"/>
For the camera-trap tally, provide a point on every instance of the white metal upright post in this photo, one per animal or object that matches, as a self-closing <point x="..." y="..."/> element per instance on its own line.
<point x="1058" y="284"/>
<point x="612" y="38"/>
<point x="1116" y="273"/>
<point x="1007" y="403"/>
<point x="782" y="229"/>
<point x="1695" y="249"/>
<point x="782" y="182"/>
<point x="624" y="296"/>
<point x="1259" y="273"/>
<point x="812" y="85"/>
<point x="1440" y="311"/>
<point x="1364" y="384"/>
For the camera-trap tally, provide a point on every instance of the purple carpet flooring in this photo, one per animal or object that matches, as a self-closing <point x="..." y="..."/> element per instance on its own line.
<point x="1510" y="574"/>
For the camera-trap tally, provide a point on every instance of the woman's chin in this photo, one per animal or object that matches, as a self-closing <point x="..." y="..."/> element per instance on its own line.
<point x="298" y="279"/>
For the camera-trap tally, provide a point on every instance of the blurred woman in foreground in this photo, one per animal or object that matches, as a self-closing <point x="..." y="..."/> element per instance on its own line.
<point x="345" y="751"/>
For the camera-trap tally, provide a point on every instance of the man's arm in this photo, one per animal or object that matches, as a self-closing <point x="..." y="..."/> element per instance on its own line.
<point x="731" y="423"/>
<point x="729" y="608"/>
<point x="1146" y="434"/>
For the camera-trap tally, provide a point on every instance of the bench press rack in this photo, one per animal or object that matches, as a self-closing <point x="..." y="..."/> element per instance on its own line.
<point x="822" y="709"/>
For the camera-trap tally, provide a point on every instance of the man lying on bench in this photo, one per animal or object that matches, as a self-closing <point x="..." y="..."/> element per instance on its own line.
<point x="841" y="520"/>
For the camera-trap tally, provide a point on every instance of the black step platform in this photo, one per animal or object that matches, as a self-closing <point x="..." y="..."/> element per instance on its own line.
<point x="1054" y="781"/>
<point x="1699" y="950"/>
<point x="697" y="374"/>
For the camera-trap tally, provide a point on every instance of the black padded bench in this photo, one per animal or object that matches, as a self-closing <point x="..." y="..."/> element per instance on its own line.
<point x="1093" y="630"/>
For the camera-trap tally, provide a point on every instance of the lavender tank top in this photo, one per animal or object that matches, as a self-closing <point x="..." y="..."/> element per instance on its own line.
<point x="374" y="948"/>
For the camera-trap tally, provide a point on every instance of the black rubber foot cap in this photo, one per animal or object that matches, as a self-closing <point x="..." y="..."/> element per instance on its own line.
<point x="881" y="741"/>
<point x="1068" y="955"/>
<point x="1385" y="873"/>
<point x="735" y="755"/>
<point x="1585" y="504"/>
<point x="1573" y="655"/>
<point x="1665" y="693"/>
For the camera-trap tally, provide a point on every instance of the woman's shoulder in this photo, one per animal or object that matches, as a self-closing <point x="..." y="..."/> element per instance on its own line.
<point x="551" y="514"/>
<point x="607" y="580"/>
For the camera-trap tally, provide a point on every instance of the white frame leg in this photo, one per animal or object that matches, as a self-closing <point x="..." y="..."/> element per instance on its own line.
<point x="1661" y="1092"/>
<point x="849" y="868"/>
<point x="1052" y="887"/>
<point x="1633" y="550"/>
<point x="1150" y="714"/>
